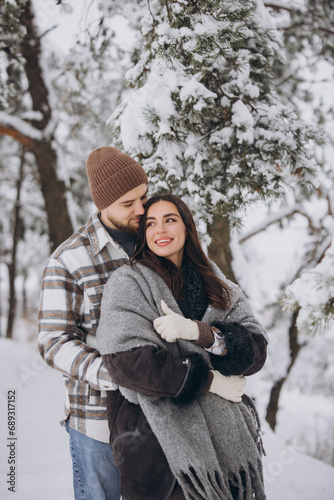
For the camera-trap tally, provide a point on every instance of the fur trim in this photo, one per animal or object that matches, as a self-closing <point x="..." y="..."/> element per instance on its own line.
<point x="240" y="350"/>
<point x="196" y="380"/>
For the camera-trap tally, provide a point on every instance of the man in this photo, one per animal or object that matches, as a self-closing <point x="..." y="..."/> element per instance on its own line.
<point x="72" y="288"/>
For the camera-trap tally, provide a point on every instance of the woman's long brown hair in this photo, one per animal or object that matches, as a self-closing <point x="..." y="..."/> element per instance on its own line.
<point x="217" y="292"/>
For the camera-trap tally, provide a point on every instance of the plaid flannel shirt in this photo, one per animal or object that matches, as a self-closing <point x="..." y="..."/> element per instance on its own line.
<point x="72" y="288"/>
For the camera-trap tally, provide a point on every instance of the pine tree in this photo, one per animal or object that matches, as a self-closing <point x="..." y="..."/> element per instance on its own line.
<point x="308" y="35"/>
<point x="204" y="117"/>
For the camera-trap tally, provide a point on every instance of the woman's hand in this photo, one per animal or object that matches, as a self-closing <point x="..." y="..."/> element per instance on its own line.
<point x="230" y="388"/>
<point x="173" y="326"/>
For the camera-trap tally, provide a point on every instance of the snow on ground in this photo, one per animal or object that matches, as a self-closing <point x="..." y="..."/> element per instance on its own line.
<point x="43" y="464"/>
<point x="42" y="460"/>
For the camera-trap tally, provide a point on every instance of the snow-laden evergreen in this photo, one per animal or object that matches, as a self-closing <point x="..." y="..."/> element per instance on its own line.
<point x="307" y="80"/>
<point x="203" y="116"/>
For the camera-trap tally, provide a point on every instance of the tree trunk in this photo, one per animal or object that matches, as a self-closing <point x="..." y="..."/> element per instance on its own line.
<point x="17" y="233"/>
<point x="273" y="405"/>
<point x="30" y="48"/>
<point x="219" y="250"/>
<point x="53" y="189"/>
<point x="272" y="408"/>
<point x="54" y="193"/>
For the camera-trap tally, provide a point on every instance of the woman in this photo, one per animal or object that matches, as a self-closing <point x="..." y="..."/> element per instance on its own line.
<point x="178" y="338"/>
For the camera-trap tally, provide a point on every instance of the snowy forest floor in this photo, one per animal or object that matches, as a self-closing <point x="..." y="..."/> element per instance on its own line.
<point x="42" y="460"/>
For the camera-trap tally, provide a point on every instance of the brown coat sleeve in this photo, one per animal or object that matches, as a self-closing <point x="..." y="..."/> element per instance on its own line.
<point x="156" y="372"/>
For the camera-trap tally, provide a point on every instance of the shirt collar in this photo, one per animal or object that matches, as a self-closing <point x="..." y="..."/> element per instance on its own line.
<point x="98" y="235"/>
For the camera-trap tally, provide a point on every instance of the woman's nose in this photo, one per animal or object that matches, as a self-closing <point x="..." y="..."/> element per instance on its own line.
<point x="160" y="228"/>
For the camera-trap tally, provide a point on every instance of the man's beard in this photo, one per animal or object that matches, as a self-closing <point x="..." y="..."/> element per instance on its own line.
<point x="125" y="228"/>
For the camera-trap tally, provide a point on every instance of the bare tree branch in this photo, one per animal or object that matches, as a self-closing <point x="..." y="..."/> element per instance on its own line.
<point x="268" y="222"/>
<point x="277" y="6"/>
<point x="287" y="214"/>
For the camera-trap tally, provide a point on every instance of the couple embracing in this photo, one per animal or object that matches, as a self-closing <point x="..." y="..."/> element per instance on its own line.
<point x="174" y="343"/>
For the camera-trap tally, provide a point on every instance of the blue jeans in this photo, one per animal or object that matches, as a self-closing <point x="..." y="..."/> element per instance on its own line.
<point x="95" y="476"/>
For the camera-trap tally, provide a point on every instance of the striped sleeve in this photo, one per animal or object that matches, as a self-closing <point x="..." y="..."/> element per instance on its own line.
<point x="61" y="340"/>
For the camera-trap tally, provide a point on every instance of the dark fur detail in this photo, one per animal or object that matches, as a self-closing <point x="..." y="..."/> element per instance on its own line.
<point x="240" y="350"/>
<point x="196" y="380"/>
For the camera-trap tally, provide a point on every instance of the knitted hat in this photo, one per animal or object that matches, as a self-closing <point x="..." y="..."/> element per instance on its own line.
<point x="111" y="174"/>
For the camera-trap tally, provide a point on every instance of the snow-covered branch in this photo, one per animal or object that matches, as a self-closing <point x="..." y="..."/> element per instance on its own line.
<point x="19" y="130"/>
<point x="313" y="295"/>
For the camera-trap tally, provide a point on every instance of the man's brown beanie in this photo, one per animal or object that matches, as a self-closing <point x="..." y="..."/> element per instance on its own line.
<point x="111" y="174"/>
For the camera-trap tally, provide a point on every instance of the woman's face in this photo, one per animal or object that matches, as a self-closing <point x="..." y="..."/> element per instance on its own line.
<point x="165" y="231"/>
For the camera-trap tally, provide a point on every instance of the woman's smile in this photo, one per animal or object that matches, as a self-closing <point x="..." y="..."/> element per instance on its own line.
<point x="164" y="242"/>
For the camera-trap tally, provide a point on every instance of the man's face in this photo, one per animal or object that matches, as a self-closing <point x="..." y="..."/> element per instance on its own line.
<point x="125" y="213"/>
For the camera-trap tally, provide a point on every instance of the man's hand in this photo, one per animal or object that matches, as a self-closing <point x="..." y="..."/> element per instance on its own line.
<point x="173" y="326"/>
<point x="230" y="388"/>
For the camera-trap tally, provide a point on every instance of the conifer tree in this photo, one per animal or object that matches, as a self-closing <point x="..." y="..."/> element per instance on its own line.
<point x="203" y="115"/>
<point x="308" y="35"/>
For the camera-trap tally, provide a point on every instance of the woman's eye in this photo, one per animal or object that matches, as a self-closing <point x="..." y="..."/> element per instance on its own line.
<point x="149" y="224"/>
<point x="170" y="220"/>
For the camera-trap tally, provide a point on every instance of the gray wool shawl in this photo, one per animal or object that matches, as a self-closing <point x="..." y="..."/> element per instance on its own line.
<point x="211" y="441"/>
